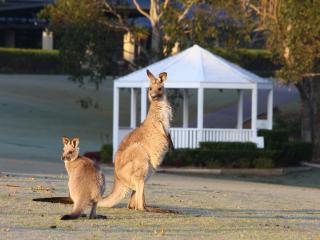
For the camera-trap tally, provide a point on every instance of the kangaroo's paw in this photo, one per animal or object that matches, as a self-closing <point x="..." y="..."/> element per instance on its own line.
<point x="68" y="217"/>
<point x="98" y="217"/>
<point x="132" y="207"/>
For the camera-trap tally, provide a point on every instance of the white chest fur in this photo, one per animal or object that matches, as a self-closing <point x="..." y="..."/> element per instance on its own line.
<point x="165" y="114"/>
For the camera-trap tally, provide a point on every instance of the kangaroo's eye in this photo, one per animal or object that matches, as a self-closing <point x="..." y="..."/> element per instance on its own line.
<point x="159" y="89"/>
<point x="70" y="152"/>
<point x="150" y="88"/>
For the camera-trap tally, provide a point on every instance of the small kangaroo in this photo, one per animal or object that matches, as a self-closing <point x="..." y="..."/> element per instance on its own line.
<point x="143" y="149"/>
<point x="86" y="181"/>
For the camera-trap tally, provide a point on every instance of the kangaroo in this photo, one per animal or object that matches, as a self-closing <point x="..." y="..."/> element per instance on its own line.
<point x="143" y="149"/>
<point x="86" y="181"/>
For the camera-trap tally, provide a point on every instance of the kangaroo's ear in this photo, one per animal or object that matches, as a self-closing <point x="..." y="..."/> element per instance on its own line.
<point x="162" y="77"/>
<point x="65" y="140"/>
<point x="151" y="77"/>
<point x="75" y="142"/>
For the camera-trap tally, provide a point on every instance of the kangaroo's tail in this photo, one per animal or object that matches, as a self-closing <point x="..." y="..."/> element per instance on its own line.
<point x="118" y="193"/>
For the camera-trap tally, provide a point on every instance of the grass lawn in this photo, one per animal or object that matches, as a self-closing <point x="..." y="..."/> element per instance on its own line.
<point x="209" y="208"/>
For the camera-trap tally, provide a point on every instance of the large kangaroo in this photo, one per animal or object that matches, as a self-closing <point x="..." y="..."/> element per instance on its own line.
<point x="143" y="149"/>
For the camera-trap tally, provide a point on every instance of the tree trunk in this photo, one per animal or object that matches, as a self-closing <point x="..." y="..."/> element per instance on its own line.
<point x="155" y="40"/>
<point x="316" y="128"/>
<point x="309" y="90"/>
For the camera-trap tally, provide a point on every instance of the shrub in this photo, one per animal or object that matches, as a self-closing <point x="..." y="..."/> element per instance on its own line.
<point x="228" y="146"/>
<point x="216" y="158"/>
<point x="262" y="162"/>
<point x="232" y="155"/>
<point x="273" y="138"/>
<point x="35" y="61"/>
<point x="106" y="153"/>
<point x="292" y="153"/>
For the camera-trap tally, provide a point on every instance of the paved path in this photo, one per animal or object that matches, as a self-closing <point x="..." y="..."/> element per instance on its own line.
<point x="210" y="208"/>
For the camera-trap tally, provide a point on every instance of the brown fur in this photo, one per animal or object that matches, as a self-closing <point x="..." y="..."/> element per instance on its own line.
<point x="142" y="151"/>
<point x="86" y="181"/>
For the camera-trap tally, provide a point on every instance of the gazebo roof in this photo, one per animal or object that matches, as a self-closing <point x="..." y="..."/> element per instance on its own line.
<point x="196" y="67"/>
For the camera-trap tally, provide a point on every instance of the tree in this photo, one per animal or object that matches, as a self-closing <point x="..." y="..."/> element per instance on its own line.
<point x="87" y="47"/>
<point x="211" y="23"/>
<point x="293" y="32"/>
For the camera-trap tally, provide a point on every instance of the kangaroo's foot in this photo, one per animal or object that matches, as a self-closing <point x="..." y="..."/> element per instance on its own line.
<point x="69" y="217"/>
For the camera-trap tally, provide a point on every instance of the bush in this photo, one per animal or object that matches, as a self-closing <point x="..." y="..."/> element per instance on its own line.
<point x="263" y="163"/>
<point x="274" y="138"/>
<point x="228" y="146"/>
<point x="243" y="155"/>
<point x="292" y="153"/>
<point x="30" y="61"/>
<point x="106" y="153"/>
<point x="232" y="158"/>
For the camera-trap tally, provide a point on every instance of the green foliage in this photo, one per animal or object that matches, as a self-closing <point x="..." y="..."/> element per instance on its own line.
<point x="50" y="62"/>
<point x="291" y="153"/>
<point x="228" y="158"/>
<point x="218" y="23"/>
<point x="256" y="60"/>
<point x="87" y="46"/>
<point x="263" y="163"/>
<point x="106" y="153"/>
<point x="274" y="137"/>
<point x="227" y="146"/>
<point x="293" y="37"/>
<point x="35" y="61"/>
<point x="279" y="152"/>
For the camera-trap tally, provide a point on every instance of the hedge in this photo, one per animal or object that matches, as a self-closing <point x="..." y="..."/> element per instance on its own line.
<point x="274" y="137"/>
<point x="106" y="153"/>
<point x="30" y="61"/>
<point x="37" y="61"/>
<point x="217" y="158"/>
<point x="232" y="155"/>
<point x="228" y="145"/>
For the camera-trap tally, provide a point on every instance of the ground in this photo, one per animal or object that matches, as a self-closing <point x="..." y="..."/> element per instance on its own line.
<point x="209" y="208"/>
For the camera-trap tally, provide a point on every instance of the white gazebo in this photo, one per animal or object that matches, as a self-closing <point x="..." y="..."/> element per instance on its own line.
<point x="197" y="68"/>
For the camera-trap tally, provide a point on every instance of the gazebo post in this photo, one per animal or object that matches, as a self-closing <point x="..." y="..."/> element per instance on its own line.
<point x="240" y="110"/>
<point x="185" y="122"/>
<point x="143" y="103"/>
<point x="115" y="140"/>
<point x="270" y="108"/>
<point x="200" y="113"/>
<point x="254" y="111"/>
<point x="133" y="108"/>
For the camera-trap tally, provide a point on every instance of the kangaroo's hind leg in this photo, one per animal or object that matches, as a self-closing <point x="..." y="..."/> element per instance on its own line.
<point x="132" y="202"/>
<point x="93" y="213"/>
<point x="76" y="212"/>
<point x="139" y="196"/>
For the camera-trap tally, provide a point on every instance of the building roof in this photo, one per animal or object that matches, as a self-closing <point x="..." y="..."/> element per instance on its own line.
<point x="196" y="67"/>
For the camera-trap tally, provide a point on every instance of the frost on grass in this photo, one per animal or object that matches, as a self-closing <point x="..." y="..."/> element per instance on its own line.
<point x="208" y="208"/>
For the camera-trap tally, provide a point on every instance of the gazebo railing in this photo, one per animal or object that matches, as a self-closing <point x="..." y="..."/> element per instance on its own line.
<point x="190" y="137"/>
